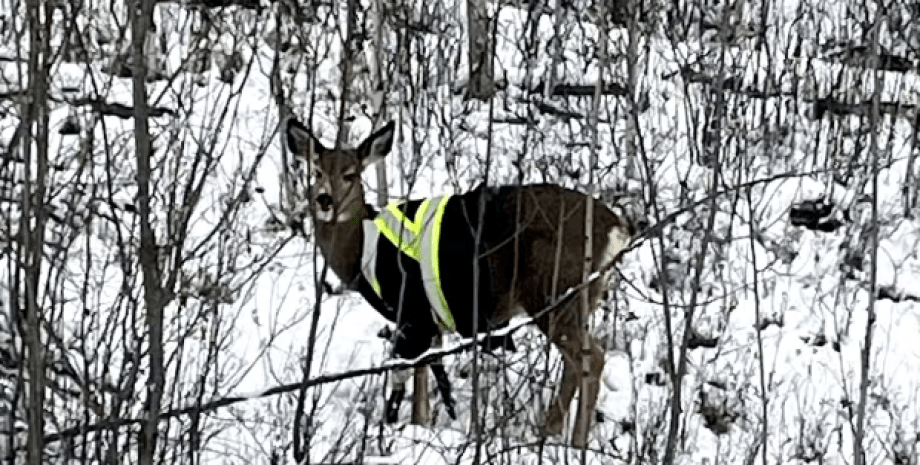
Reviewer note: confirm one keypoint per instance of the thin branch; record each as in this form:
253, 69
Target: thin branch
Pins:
866, 352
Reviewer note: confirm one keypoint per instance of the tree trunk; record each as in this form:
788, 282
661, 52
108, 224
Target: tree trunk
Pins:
554, 47
481, 83
421, 408
909, 190
859, 435
155, 297
32, 226
633, 73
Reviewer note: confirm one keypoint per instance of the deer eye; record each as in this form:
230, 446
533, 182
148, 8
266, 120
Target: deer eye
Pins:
350, 176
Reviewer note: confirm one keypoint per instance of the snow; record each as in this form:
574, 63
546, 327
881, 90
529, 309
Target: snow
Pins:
262, 329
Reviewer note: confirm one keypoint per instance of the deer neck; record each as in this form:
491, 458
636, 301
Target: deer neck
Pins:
341, 244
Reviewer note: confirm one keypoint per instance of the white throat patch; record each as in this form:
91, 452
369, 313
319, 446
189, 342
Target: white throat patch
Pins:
326, 217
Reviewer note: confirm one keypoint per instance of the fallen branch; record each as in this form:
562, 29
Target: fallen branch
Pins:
895, 295
246, 4
120, 110
577, 90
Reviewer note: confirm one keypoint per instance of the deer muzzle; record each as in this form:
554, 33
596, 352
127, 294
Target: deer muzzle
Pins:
324, 201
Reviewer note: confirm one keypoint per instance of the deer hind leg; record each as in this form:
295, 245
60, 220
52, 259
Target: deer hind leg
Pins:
559, 330
594, 365
559, 407
566, 334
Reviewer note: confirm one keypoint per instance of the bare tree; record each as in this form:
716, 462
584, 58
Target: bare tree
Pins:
154, 268
155, 296
33, 217
481, 85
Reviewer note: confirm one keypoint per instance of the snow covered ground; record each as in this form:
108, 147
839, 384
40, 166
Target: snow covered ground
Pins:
778, 306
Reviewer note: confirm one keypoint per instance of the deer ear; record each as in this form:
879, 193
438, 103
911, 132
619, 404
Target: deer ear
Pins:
377, 146
300, 141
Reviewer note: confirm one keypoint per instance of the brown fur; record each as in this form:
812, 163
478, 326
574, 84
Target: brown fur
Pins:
523, 262
529, 284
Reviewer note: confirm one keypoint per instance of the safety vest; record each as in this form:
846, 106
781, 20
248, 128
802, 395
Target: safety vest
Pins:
418, 238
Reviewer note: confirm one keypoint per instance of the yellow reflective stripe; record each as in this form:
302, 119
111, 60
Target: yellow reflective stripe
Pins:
436, 266
376, 286
393, 208
384, 229
409, 246
416, 226
420, 238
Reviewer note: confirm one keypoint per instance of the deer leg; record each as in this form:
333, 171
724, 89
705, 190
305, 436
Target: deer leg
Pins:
411, 344
566, 337
587, 401
398, 380
392, 405
442, 381
560, 330
559, 407
444, 389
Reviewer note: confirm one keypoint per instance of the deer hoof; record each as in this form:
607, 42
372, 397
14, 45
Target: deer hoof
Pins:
392, 415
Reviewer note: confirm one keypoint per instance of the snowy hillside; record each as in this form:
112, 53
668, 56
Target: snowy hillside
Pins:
760, 293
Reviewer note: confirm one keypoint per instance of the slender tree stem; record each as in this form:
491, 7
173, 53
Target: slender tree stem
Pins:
155, 297
859, 456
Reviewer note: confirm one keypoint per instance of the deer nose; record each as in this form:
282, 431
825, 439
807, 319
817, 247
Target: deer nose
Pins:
324, 201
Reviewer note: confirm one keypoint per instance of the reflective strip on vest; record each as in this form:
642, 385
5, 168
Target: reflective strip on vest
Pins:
419, 239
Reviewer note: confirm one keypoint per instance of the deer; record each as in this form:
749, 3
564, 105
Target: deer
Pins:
515, 247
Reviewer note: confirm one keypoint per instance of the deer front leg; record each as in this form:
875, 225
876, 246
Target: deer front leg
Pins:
398, 379
421, 410
410, 343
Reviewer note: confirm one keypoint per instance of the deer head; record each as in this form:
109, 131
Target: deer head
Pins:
336, 192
